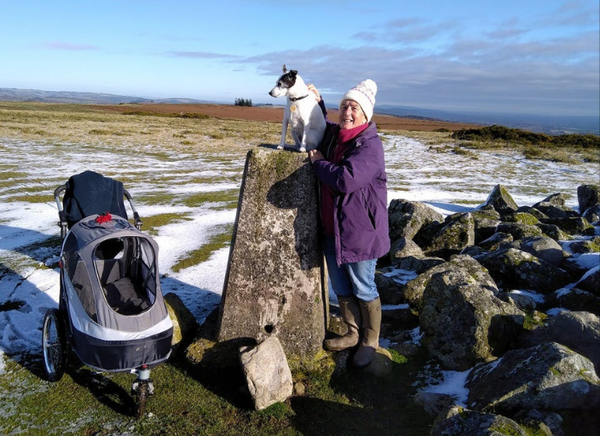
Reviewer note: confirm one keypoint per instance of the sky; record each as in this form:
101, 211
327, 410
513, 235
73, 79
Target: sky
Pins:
537, 57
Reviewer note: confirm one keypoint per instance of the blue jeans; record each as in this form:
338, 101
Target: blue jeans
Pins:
351, 279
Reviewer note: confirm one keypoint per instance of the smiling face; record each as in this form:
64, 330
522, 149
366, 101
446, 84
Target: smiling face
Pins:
351, 115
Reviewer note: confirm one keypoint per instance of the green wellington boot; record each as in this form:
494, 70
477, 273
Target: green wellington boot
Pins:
350, 311
371, 315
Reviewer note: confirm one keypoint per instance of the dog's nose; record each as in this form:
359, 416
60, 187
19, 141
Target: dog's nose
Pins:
271, 93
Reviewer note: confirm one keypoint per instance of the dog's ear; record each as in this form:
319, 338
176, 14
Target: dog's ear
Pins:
284, 69
294, 73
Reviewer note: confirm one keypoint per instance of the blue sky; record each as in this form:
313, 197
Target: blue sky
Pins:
525, 56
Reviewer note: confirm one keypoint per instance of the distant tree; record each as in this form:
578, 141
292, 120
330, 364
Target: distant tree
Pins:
243, 102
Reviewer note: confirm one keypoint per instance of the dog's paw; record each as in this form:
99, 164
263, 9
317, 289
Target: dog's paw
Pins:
302, 150
280, 147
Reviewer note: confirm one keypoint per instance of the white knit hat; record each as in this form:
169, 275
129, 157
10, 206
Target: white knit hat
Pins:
364, 95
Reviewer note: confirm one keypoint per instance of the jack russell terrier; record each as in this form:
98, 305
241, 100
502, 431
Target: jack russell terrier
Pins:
302, 112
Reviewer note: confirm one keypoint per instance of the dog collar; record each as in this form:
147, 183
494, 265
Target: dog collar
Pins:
298, 98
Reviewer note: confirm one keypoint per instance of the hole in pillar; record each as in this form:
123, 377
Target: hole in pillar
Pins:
269, 328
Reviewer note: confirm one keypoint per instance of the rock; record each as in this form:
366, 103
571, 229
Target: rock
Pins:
583, 246
486, 221
273, 280
501, 201
516, 269
462, 422
590, 282
588, 196
400, 317
547, 377
407, 217
457, 233
495, 241
418, 264
553, 231
404, 247
592, 214
522, 218
390, 291
414, 289
382, 363
572, 225
580, 331
267, 373
576, 300
184, 322
463, 322
523, 300
554, 206
532, 211
518, 230
434, 403
542, 247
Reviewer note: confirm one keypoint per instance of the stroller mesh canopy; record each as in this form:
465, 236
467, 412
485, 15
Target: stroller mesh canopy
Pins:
112, 268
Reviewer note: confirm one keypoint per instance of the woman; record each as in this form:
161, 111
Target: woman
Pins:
350, 167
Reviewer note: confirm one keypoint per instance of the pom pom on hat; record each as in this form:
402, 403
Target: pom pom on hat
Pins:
364, 95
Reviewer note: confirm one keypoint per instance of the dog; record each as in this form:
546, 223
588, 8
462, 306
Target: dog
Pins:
302, 112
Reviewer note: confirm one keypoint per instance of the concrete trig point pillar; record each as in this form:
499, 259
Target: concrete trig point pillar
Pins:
274, 280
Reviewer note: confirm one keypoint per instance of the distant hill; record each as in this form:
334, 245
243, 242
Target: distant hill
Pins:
535, 123
14, 94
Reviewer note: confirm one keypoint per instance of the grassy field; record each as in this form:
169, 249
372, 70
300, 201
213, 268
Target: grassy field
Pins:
209, 399
191, 399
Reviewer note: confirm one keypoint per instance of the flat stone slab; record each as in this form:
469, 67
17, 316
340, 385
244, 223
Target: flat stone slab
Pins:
274, 279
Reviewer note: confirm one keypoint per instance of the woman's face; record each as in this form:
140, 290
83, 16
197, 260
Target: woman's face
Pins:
351, 115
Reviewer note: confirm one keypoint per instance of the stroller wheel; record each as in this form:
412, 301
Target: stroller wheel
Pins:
54, 345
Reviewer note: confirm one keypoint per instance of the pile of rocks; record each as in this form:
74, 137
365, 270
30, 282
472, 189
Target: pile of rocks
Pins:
502, 291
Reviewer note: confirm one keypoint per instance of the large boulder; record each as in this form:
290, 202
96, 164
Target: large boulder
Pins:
457, 234
407, 217
463, 322
588, 196
501, 200
580, 331
592, 214
549, 377
390, 291
516, 269
486, 221
575, 300
590, 281
414, 289
542, 247
496, 241
404, 247
519, 230
572, 225
554, 206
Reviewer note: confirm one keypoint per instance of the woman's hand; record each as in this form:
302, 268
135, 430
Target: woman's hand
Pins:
312, 88
315, 155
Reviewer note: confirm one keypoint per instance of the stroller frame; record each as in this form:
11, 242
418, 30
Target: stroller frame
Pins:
72, 327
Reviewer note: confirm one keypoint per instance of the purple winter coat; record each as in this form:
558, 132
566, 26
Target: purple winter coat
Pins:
359, 185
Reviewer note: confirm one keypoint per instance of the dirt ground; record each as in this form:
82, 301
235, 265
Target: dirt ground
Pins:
275, 115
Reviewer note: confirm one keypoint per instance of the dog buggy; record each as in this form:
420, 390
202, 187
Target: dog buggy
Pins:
111, 311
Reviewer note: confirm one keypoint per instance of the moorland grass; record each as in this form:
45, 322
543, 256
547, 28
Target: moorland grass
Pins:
189, 399
217, 241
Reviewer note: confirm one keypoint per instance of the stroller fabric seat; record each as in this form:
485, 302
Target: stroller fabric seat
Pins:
124, 298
